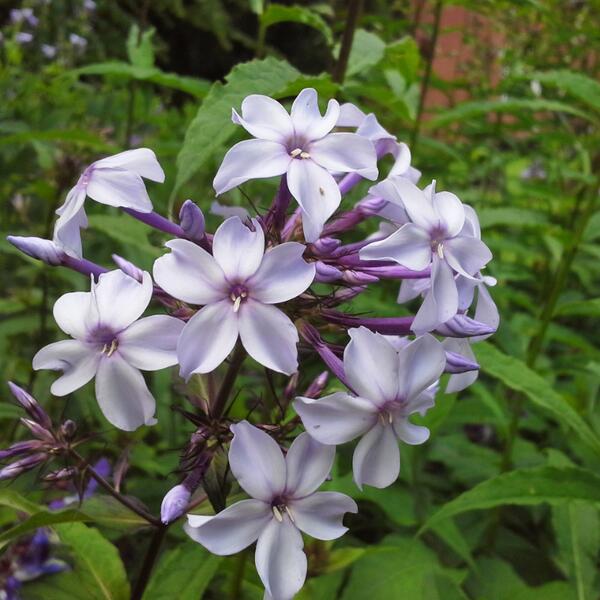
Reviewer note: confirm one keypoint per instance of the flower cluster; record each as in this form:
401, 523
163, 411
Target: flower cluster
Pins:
265, 286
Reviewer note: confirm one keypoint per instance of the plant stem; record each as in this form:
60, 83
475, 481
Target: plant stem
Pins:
149, 560
218, 408
238, 576
339, 69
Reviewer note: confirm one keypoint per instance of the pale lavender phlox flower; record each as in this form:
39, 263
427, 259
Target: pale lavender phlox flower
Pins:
301, 146
111, 343
238, 285
391, 384
284, 503
115, 181
438, 235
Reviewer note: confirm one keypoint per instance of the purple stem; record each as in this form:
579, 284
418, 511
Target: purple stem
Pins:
157, 222
276, 216
84, 266
348, 182
383, 325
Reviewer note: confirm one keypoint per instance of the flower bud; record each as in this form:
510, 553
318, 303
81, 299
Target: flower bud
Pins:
326, 245
371, 205
20, 466
174, 503
128, 268
30, 405
326, 273
61, 474
45, 250
290, 388
191, 219
19, 448
463, 326
68, 429
317, 386
358, 278
457, 363
38, 430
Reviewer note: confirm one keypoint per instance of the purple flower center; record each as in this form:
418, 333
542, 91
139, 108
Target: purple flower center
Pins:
279, 507
238, 294
104, 335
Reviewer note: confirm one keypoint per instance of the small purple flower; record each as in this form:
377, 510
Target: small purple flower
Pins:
238, 285
23, 37
391, 383
115, 181
301, 146
112, 344
48, 51
77, 41
284, 502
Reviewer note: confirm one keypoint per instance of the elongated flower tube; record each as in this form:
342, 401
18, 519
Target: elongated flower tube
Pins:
284, 502
111, 343
390, 384
300, 146
238, 285
115, 181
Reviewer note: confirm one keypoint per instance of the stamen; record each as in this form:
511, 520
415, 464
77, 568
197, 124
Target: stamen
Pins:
304, 155
440, 251
290, 515
236, 303
296, 152
112, 349
277, 514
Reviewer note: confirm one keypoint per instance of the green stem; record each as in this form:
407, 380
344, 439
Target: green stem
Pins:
339, 69
148, 564
238, 576
218, 408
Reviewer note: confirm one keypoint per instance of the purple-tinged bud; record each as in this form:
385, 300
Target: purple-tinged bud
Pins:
461, 326
174, 503
358, 278
191, 219
371, 205
40, 432
68, 430
19, 448
457, 363
45, 250
20, 466
61, 474
317, 386
348, 182
326, 273
326, 245
383, 325
30, 405
343, 295
290, 388
128, 268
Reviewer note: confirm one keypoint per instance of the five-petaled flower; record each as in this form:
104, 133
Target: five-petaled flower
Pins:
284, 503
390, 385
238, 285
112, 343
301, 146
115, 181
438, 235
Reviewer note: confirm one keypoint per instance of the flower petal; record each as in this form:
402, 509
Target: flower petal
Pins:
208, 337
233, 529
409, 246
460, 381
117, 187
345, 153
257, 462
250, 159
77, 360
76, 314
421, 363
466, 256
416, 203
121, 299
307, 119
320, 515
151, 343
282, 275
409, 433
264, 118
269, 336
308, 464
123, 395
376, 459
71, 220
190, 273
486, 310
237, 249
142, 161
371, 365
337, 418
280, 561
317, 193
450, 211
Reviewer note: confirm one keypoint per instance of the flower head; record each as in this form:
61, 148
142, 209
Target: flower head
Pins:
238, 285
284, 503
111, 343
300, 145
390, 384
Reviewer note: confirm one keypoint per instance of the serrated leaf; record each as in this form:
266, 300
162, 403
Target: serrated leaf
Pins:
516, 375
278, 13
189, 569
553, 485
212, 126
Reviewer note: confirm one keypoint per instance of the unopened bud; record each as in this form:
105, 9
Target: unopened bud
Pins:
30, 405
358, 278
61, 474
317, 386
174, 503
20, 466
326, 245
462, 326
290, 388
38, 430
68, 429
326, 273
128, 268
457, 363
371, 205
191, 219
45, 250
19, 448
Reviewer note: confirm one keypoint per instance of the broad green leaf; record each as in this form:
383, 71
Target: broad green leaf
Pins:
278, 13
453, 537
580, 308
480, 109
512, 216
579, 85
139, 47
553, 485
212, 126
517, 376
188, 569
15, 500
108, 511
403, 56
96, 562
367, 50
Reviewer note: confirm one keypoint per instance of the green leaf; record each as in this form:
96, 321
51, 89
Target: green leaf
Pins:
188, 568
367, 50
108, 511
97, 563
554, 485
212, 126
15, 500
139, 47
403, 56
516, 375
277, 13
580, 308
580, 86
481, 110
511, 215
72, 136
